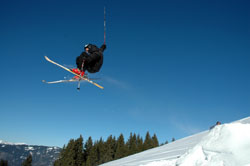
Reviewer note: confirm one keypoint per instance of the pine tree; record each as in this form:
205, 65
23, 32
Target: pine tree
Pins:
3, 163
109, 149
92, 158
139, 144
131, 144
60, 159
148, 143
100, 151
78, 148
155, 141
72, 154
173, 139
66, 156
28, 161
87, 149
120, 147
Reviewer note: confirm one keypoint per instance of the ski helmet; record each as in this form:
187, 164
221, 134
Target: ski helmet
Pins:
86, 46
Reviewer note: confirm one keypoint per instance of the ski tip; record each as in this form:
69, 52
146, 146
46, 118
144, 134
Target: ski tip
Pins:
99, 86
46, 58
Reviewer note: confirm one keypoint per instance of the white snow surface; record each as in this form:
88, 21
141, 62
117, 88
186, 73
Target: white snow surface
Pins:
29, 148
10, 143
224, 145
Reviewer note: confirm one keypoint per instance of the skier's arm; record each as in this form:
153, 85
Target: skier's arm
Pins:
103, 47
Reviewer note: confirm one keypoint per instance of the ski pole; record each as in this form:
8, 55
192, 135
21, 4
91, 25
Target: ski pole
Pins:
104, 25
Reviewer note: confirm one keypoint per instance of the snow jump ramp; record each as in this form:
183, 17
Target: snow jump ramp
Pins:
224, 145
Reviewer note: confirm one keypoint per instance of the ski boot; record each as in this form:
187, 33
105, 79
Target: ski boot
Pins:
79, 72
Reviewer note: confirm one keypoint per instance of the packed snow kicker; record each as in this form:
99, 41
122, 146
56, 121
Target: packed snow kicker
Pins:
224, 145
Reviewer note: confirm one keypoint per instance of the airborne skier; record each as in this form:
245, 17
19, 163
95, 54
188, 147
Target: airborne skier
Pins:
91, 60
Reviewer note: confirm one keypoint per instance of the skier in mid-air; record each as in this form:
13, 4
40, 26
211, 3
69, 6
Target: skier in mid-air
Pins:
91, 60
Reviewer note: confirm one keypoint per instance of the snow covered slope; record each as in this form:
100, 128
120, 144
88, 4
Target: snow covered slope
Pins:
224, 145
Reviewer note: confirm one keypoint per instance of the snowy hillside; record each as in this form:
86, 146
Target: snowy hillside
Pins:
224, 145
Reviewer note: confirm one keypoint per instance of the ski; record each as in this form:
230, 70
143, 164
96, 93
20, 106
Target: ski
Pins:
59, 81
67, 69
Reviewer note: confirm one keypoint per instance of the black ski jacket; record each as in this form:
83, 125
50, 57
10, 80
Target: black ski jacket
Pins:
92, 61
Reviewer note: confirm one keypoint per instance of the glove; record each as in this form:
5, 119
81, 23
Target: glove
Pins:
104, 47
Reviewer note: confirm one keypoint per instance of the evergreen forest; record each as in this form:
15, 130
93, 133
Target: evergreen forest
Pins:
89, 153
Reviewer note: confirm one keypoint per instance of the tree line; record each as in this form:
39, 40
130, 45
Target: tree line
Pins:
78, 153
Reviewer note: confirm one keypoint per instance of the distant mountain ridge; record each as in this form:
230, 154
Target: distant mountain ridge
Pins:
16, 153
9, 143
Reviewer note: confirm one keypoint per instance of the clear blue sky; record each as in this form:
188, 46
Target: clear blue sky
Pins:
172, 68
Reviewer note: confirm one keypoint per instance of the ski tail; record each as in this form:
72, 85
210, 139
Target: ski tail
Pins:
58, 81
